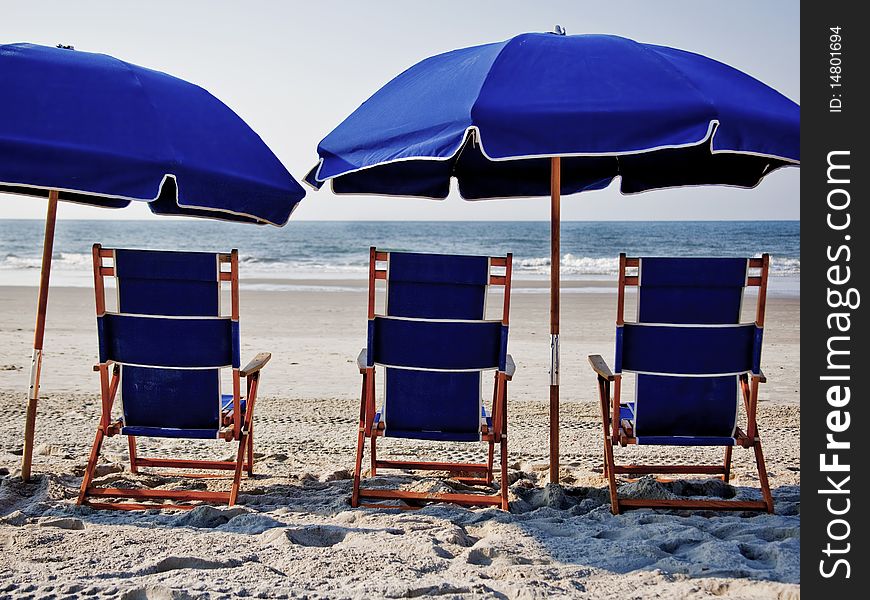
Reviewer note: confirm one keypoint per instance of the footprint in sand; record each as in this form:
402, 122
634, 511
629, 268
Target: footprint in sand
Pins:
317, 536
67, 523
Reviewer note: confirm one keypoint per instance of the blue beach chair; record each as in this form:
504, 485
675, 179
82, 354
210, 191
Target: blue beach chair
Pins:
694, 361
164, 349
434, 345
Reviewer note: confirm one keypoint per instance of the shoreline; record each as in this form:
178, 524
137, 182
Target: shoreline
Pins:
783, 286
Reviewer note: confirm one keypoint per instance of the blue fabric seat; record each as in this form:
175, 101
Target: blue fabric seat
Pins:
226, 405
485, 419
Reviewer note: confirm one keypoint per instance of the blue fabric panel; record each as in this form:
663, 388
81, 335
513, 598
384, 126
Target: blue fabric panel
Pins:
693, 272
756, 350
424, 120
447, 345
111, 132
168, 297
617, 362
484, 414
370, 345
686, 441
502, 359
428, 403
164, 342
687, 350
157, 282
691, 290
170, 398
227, 403
169, 432
437, 436
481, 178
626, 411
102, 340
439, 268
164, 264
234, 325
437, 286
681, 406
689, 305
426, 179
435, 301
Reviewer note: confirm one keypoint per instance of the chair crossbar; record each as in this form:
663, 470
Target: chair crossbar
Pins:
434, 466
632, 503
468, 499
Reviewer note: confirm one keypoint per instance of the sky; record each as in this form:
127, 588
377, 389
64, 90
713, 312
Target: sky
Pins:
294, 70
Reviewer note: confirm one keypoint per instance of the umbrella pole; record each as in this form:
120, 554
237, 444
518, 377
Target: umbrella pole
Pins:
555, 267
39, 334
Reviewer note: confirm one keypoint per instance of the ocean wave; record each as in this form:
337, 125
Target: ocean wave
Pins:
58, 259
570, 265
587, 265
271, 267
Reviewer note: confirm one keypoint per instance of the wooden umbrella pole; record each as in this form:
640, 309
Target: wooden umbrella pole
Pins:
555, 265
38, 336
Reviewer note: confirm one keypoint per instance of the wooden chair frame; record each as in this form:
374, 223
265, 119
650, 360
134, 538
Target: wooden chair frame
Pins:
469, 473
619, 431
234, 425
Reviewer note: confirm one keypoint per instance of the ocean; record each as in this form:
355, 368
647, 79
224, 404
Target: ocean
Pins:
272, 258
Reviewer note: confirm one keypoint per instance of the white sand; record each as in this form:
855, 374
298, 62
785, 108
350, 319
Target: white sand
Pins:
294, 534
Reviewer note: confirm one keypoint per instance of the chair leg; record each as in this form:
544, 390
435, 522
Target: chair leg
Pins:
374, 455
237, 474
92, 465
762, 477
360, 447
250, 461
504, 474
131, 444
726, 477
489, 461
609, 462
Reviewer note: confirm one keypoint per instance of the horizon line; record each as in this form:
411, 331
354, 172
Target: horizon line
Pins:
200, 219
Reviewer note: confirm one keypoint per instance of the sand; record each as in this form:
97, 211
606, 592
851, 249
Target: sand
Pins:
294, 533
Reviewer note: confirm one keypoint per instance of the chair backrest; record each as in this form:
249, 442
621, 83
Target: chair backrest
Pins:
688, 346
169, 336
434, 341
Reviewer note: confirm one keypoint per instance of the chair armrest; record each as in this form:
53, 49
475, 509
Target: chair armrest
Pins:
510, 367
257, 363
108, 363
362, 360
599, 365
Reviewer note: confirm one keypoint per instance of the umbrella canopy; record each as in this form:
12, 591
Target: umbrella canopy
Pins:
93, 129
543, 114
609, 106
105, 132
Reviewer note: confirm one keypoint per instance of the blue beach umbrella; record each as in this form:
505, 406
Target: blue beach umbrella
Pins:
549, 114
92, 129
